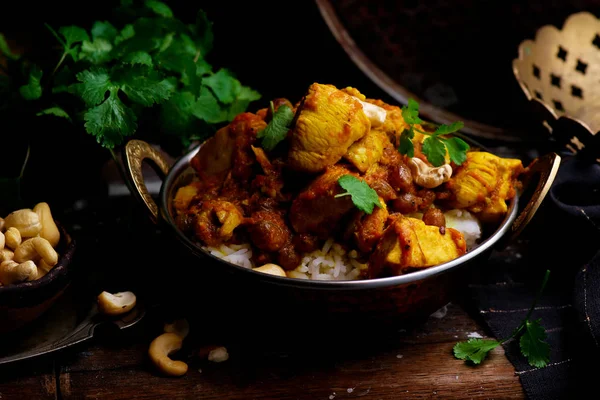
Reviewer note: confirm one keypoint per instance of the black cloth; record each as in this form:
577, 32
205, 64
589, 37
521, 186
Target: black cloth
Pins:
563, 237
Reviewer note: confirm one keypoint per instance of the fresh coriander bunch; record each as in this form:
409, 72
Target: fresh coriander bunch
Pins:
146, 66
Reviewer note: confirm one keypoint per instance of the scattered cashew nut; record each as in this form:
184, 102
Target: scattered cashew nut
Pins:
2, 224
2, 241
271, 269
159, 352
25, 220
180, 327
13, 272
427, 176
116, 304
13, 238
49, 229
219, 354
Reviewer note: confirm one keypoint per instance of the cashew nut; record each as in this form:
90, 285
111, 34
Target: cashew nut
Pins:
25, 220
374, 113
12, 272
2, 240
179, 327
159, 352
35, 249
271, 269
42, 266
49, 230
6, 254
115, 304
219, 354
2, 224
13, 238
427, 176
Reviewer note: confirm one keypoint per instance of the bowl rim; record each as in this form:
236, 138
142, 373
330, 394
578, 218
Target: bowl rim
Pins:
61, 268
183, 164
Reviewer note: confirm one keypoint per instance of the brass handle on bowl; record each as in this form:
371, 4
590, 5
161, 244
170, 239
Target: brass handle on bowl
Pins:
544, 169
136, 151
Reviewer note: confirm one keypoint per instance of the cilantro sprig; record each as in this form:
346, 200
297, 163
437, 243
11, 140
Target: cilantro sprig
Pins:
277, 129
435, 145
532, 340
363, 196
149, 68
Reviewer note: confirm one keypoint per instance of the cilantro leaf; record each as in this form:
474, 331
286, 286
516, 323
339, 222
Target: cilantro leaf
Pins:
410, 113
159, 8
224, 85
127, 32
5, 49
104, 30
277, 129
363, 196
204, 34
474, 350
435, 150
56, 111
177, 114
457, 149
434, 146
33, 89
73, 34
96, 51
533, 344
406, 144
143, 85
138, 57
111, 121
207, 107
447, 129
95, 82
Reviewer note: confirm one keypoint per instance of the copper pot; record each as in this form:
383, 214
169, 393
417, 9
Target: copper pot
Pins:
398, 298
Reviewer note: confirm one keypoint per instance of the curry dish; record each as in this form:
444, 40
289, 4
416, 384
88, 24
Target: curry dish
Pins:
284, 203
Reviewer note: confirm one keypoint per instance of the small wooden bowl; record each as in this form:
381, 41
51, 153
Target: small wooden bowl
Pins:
24, 302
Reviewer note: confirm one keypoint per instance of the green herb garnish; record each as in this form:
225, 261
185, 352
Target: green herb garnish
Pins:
435, 145
148, 68
278, 127
363, 197
532, 340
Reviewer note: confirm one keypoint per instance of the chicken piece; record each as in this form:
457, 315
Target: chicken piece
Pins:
268, 230
244, 128
316, 210
366, 229
215, 221
328, 122
215, 157
483, 183
367, 151
408, 243
184, 196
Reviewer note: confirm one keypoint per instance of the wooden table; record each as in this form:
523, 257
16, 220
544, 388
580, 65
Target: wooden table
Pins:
412, 363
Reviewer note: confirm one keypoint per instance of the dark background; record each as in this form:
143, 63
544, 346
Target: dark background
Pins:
281, 48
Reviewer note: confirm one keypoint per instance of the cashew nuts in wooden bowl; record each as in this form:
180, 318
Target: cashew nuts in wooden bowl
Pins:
35, 257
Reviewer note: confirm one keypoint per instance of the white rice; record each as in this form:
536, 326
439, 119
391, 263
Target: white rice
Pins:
333, 263
466, 223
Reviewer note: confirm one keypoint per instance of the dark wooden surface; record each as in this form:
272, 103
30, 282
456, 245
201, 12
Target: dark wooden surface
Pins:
413, 363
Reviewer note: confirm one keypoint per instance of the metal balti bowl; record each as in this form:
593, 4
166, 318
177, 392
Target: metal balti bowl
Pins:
398, 298
22, 303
